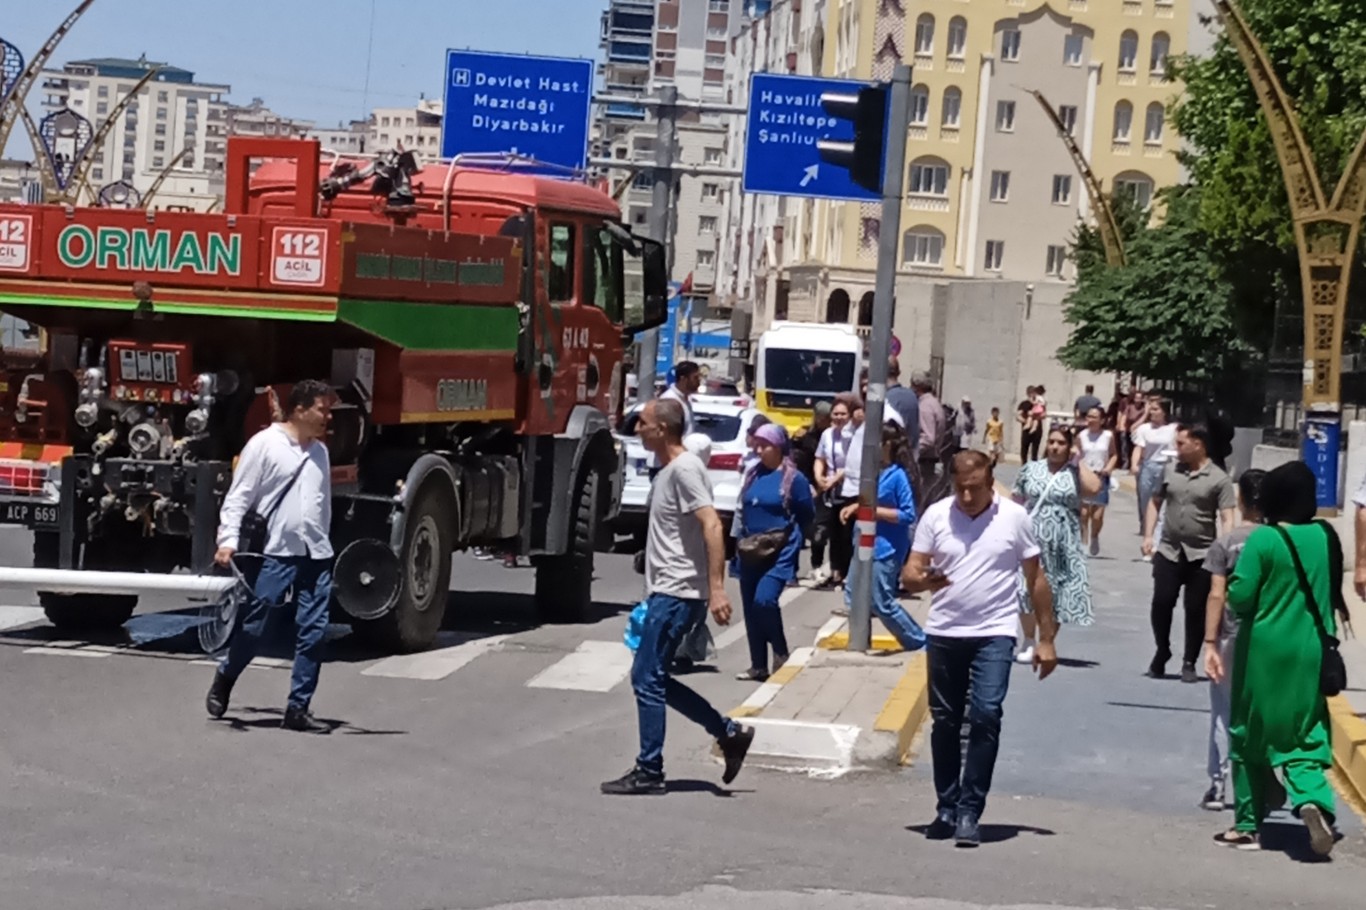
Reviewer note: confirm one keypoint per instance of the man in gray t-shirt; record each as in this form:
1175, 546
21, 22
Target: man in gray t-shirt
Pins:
684, 574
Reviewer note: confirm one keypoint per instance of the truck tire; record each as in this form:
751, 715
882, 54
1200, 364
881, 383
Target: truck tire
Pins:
564, 584
413, 623
78, 612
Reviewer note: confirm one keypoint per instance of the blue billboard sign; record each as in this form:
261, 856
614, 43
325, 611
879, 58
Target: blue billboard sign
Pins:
537, 107
1321, 449
668, 332
785, 122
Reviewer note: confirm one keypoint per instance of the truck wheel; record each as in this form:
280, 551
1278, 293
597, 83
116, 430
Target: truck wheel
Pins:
415, 620
564, 584
78, 612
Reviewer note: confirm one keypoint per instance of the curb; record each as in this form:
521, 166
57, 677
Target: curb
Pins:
1349, 751
907, 707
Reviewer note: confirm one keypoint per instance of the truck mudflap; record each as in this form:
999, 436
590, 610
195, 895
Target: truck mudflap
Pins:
77, 581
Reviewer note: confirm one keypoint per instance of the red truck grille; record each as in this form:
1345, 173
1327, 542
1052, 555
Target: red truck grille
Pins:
22, 478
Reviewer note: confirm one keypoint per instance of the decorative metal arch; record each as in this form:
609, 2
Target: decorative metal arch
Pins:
1110, 236
1326, 233
13, 101
119, 195
11, 67
161, 178
66, 136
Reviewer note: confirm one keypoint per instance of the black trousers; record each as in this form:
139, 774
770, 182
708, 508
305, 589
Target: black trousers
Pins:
841, 538
820, 531
1170, 577
1029, 446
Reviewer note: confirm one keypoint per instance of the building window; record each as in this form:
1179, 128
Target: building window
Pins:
1010, 45
711, 190
97, 173
958, 38
159, 145
920, 105
1138, 188
1153, 127
924, 35
1005, 116
1062, 189
102, 91
384, 121
1162, 45
1128, 51
870, 231
711, 156
706, 259
996, 254
158, 161
160, 129
161, 113
706, 224
1072, 45
953, 108
1067, 113
163, 97
929, 178
923, 246
1057, 258
1000, 186
102, 107
1124, 121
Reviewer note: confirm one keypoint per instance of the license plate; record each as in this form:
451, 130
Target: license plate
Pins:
29, 514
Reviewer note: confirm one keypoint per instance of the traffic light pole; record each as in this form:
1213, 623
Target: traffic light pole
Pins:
889, 236
661, 223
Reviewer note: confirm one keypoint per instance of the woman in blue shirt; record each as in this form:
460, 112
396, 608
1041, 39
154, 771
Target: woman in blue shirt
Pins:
775, 496
895, 516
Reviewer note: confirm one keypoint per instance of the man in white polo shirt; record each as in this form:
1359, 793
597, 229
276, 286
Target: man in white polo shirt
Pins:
969, 551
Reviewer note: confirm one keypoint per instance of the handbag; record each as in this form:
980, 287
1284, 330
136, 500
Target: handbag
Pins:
255, 528
762, 548
1333, 671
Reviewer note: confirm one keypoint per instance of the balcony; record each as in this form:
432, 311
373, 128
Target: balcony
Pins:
625, 112
628, 52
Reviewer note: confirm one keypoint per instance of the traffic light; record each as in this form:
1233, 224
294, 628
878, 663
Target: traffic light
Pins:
863, 157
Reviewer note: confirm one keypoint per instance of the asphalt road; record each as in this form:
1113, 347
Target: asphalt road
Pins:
469, 779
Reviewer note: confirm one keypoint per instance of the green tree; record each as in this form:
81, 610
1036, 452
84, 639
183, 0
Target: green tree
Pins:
1168, 314
1318, 50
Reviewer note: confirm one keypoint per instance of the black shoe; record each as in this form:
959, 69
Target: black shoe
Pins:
636, 782
1188, 674
301, 720
943, 826
1158, 668
1213, 800
734, 748
216, 702
967, 834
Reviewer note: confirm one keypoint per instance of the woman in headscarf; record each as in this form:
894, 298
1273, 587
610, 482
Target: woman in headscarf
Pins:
775, 507
1286, 587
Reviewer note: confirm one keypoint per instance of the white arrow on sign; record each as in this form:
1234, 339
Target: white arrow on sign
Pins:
811, 174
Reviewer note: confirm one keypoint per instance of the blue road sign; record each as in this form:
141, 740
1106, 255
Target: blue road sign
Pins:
533, 106
668, 332
785, 121
1321, 447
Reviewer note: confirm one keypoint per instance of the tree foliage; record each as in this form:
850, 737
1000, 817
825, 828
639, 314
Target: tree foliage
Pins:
1167, 315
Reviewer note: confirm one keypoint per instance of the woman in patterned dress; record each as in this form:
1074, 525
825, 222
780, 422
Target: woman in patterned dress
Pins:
1052, 489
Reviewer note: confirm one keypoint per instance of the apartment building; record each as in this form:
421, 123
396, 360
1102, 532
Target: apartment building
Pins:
256, 119
173, 116
345, 138
417, 129
991, 192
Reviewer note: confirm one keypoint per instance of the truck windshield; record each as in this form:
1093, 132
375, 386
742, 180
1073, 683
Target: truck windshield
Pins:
820, 372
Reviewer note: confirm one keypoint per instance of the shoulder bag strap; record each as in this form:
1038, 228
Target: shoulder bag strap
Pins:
1310, 602
279, 500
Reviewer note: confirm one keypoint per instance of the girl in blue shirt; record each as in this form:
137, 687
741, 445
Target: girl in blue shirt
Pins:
895, 516
774, 496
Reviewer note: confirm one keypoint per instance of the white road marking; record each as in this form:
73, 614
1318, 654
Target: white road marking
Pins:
269, 663
433, 665
66, 651
595, 666
733, 633
15, 617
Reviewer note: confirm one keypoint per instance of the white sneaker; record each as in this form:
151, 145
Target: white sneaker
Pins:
1095, 546
1026, 654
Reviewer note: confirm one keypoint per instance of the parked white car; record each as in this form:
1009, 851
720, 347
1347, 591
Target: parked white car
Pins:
724, 419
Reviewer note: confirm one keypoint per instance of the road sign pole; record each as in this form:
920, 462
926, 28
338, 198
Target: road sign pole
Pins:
661, 223
889, 235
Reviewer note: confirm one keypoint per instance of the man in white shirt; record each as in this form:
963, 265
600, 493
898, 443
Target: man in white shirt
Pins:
687, 383
284, 476
969, 551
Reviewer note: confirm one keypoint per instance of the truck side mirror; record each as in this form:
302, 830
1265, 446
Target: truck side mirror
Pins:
656, 281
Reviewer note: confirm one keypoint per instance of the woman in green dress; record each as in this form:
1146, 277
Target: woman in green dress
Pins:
1052, 489
1279, 720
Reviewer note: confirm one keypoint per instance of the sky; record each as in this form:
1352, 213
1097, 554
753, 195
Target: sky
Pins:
306, 58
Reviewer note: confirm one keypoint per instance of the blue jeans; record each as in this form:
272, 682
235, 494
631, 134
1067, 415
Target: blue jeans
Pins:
666, 622
886, 602
311, 580
760, 593
967, 675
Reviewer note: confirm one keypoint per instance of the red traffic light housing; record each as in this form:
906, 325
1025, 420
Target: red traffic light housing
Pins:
862, 157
